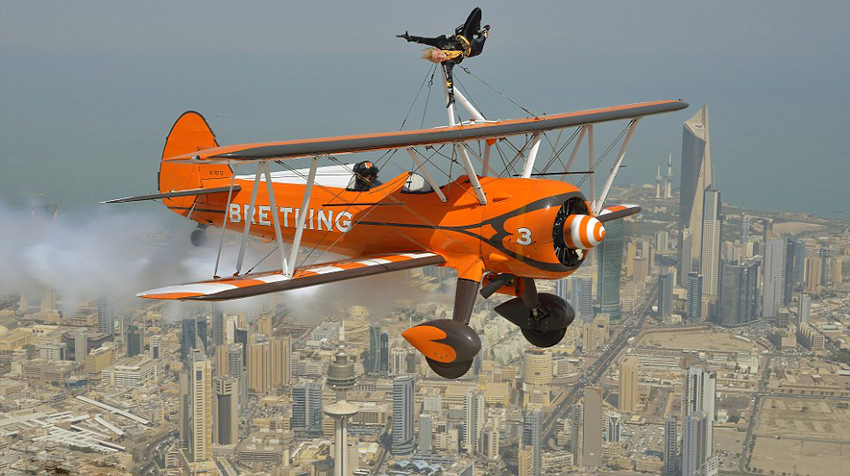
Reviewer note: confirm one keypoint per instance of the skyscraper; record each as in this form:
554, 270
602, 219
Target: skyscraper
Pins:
156, 346
739, 293
794, 261
225, 410
426, 432
694, 445
217, 325
105, 316
306, 409
710, 255
695, 179
629, 393
592, 428
201, 384
610, 266
668, 179
698, 402
665, 295
576, 431
694, 296
385, 354
473, 420
135, 341
236, 369
532, 428
372, 363
614, 421
774, 277
581, 296
804, 309
194, 335
745, 228
403, 394
269, 363
670, 449
686, 264
184, 408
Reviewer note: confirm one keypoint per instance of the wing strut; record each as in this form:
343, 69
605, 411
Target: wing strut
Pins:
426, 174
599, 202
249, 217
575, 151
532, 155
275, 219
460, 147
302, 217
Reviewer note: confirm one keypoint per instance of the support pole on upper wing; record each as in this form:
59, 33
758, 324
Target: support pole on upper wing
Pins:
468, 106
302, 216
249, 217
596, 207
532, 156
275, 218
575, 151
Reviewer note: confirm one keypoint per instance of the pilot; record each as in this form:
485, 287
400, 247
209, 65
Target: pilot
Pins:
467, 41
366, 174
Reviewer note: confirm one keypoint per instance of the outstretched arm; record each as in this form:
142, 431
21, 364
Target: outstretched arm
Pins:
435, 42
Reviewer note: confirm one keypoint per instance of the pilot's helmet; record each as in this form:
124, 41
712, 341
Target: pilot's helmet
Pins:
366, 170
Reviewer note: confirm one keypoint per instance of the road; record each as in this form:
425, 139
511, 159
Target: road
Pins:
595, 372
151, 449
745, 452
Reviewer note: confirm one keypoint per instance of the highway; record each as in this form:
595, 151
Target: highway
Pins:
745, 451
595, 372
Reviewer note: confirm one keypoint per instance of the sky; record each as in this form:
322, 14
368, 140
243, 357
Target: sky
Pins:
89, 90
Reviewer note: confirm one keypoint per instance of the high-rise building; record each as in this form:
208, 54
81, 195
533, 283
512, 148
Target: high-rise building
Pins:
614, 421
665, 295
662, 239
217, 325
698, 404
426, 432
532, 438
658, 183
576, 432
804, 309
827, 255
629, 393
686, 264
739, 293
135, 341
581, 296
694, 295
191, 337
372, 363
226, 410
745, 228
795, 261
403, 395
235, 368
269, 363
184, 407
490, 444
695, 179
668, 179
473, 420
774, 277
814, 274
156, 346
306, 409
105, 316
385, 355
670, 449
694, 446
610, 266
710, 254
201, 384
592, 428
562, 288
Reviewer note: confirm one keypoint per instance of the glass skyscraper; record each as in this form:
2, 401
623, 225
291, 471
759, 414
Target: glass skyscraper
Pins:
610, 265
403, 395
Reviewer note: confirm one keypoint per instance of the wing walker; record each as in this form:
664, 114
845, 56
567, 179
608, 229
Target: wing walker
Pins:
500, 231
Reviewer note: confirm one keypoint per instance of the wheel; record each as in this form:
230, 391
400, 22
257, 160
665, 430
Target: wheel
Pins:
452, 370
198, 237
544, 338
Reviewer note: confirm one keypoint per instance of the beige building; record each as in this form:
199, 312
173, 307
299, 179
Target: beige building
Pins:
269, 363
629, 393
201, 384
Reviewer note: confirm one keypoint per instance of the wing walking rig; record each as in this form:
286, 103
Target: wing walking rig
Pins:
500, 233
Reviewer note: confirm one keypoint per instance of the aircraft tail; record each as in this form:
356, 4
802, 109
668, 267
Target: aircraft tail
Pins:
190, 133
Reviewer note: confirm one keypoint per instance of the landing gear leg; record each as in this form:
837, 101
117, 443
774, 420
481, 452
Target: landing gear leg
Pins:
199, 236
543, 318
449, 345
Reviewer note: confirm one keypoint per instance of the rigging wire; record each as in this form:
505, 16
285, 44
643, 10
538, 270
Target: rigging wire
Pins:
485, 83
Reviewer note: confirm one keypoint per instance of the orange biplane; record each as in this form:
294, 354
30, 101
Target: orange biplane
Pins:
499, 232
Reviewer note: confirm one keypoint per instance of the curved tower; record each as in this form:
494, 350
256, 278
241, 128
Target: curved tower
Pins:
695, 179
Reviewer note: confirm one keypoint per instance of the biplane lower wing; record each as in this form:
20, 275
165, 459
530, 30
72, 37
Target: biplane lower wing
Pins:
273, 281
180, 193
617, 211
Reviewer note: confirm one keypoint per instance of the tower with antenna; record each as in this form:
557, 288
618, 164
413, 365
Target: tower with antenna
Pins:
658, 183
668, 179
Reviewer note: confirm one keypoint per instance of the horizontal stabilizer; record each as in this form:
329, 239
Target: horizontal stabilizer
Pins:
617, 211
273, 281
178, 193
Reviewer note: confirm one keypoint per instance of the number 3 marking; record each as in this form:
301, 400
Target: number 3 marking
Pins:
524, 236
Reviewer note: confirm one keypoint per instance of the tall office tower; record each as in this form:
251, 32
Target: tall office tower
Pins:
662, 241
767, 229
698, 400
658, 180
184, 409
739, 293
686, 263
610, 266
306, 409
236, 369
629, 393
403, 395
592, 428
48, 299
135, 341
799, 276
156, 346
695, 449
665, 295
581, 296
269, 363
695, 179
576, 431
709, 266
225, 410
694, 296
532, 437
804, 309
490, 444
426, 431
774, 277
217, 325
668, 179
614, 420
791, 266
562, 288
525, 457
745, 228
105, 316
372, 363
201, 384
81, 346
827, 255
537, 367
385, 355
231, 322
189, 337
670, 449
473, 420
283, 360
814, 274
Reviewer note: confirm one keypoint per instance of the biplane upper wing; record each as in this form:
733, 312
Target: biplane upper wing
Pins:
272, 281
392, 140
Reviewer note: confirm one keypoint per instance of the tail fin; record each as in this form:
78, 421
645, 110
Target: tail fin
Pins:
189, 134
